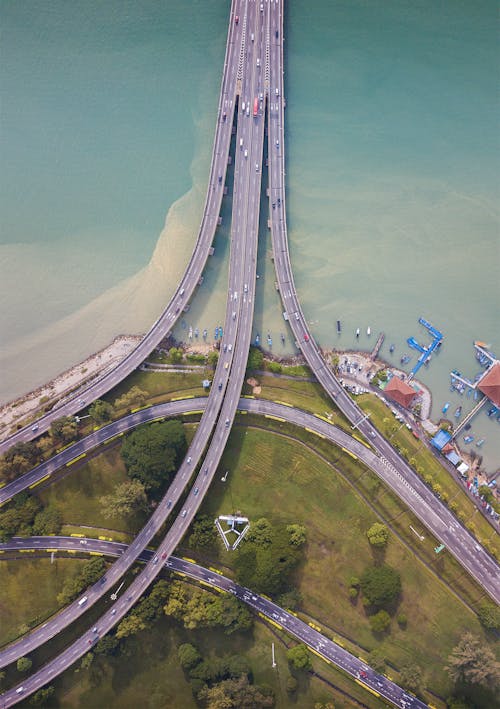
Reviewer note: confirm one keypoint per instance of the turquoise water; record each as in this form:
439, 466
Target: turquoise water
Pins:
392, 173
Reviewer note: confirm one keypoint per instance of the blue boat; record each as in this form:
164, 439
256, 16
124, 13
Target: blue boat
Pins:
458, 412
405, 359
468, 439
446, 407
269, 339
391, 349
205, 333
220, 332
257, 339
196, 332
216, 333
480, 443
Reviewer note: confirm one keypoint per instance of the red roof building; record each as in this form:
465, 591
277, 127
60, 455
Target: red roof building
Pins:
490, 384
400, 392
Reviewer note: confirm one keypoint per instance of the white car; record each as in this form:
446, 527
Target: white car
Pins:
245, 153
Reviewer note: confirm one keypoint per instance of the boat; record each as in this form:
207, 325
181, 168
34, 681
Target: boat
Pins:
357, 332
483, 345
205, 333
282, 339
196, 332
190, 334
468, 439
446, 407
469, 392
269, 339
391, 349
220, 331
368, 331
405, 359
216, 333
339, 327
257, 340
480, 442
458, 412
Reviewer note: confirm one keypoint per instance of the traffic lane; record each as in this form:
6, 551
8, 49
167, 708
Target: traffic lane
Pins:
105, 382
325, 647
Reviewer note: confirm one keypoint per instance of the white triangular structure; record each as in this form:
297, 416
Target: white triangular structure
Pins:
232, 522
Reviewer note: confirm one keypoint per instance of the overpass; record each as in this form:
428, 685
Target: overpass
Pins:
318, 643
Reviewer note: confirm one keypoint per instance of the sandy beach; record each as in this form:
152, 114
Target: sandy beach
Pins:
28, 406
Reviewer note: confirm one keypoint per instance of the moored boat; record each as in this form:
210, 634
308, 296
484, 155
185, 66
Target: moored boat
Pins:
446, 407
368, 331
458, 412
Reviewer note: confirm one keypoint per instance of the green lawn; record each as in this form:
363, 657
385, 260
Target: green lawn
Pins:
77, 494
28, 591
279, 479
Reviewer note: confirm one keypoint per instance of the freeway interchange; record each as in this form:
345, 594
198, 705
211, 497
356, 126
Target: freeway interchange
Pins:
253, 72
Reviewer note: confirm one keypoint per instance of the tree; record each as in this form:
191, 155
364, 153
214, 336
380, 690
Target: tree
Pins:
380, 621
299, 657
378, 535
377, 660
188, 656
128, 498
24, 664
130, 625
40, 698
473, 663
101, 411
291, 684
18, 517
91, 572
213, 358
261, 533
20, 458
48, 521
64, 429
203, 534
108, 645
236, 694
297, 534
133, 397
87, 661
153, 452
175, 355
255, 358
411, 677
489, 615
380, 584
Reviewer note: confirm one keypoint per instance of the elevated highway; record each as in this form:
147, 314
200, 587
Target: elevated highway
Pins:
443, 524
327, 649
184, 291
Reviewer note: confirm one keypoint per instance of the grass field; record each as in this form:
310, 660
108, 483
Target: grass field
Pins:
28, 592
77, 494
284, 483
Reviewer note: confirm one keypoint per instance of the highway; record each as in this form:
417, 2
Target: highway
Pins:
437, 516
184, 291
319, 644
413, 494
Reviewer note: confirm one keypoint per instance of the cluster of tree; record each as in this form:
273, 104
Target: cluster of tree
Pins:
299, 657
42, 696
196, 608
90, 573
223, 682
473, 663
133, 397
381, 585
269, 555
255, 358
145, 613
203, 533
487, 494
128, 498
18, 460
489, 615
64, 430
24, 516
378, 535
101, 411
153, 452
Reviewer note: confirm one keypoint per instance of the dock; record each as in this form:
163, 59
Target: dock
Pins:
378, 345
425, 352
469, 416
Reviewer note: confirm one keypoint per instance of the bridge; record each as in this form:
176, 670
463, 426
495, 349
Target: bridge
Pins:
244, 79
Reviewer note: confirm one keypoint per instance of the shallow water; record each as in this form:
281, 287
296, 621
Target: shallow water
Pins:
392, 178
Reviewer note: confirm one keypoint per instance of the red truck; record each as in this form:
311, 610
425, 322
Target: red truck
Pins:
255, 106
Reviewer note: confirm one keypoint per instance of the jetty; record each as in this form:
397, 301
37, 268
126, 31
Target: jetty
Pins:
378, 345
425, 352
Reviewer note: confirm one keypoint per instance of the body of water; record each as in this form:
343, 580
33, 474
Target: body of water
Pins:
108, 115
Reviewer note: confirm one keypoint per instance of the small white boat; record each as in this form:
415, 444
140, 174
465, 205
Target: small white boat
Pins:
357, 332
368, 331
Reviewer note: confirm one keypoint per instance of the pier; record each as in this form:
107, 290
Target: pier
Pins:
469, 416
425, 352
378, 345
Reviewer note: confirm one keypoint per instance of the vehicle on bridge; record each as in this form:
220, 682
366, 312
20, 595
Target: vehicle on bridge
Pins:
256, 106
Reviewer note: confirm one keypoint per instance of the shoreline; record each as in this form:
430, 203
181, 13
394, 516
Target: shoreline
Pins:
26, 406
